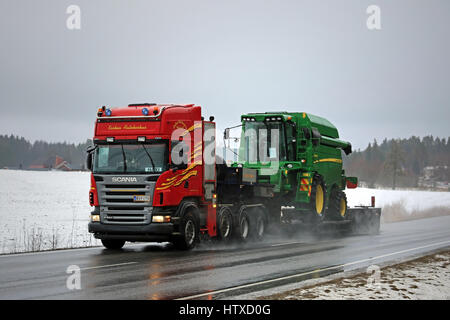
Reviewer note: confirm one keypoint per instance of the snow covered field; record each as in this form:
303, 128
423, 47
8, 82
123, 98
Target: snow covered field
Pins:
48, 210
44, 210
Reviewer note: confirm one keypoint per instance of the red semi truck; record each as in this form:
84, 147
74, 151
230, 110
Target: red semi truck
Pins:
155, 178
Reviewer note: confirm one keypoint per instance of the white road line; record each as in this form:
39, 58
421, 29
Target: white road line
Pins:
285, 244
109, 265
309, 272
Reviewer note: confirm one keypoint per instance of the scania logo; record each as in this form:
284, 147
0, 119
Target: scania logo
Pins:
124, 179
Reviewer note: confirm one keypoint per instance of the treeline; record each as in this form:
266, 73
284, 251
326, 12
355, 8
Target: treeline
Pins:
400, 162
17, 152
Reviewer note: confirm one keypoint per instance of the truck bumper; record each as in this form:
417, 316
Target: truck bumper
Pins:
157, 232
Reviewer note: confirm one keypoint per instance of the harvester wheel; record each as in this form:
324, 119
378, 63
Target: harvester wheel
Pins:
317, 199
337, 207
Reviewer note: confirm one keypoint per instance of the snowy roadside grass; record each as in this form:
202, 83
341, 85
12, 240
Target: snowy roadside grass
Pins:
420, 279
44, 210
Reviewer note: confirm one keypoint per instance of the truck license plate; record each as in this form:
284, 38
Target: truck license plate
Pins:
141, 198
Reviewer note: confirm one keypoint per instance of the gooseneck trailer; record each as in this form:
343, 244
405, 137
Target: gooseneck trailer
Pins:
155, 177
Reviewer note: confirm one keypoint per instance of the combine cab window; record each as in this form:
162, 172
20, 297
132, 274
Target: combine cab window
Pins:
131, 158
262, 142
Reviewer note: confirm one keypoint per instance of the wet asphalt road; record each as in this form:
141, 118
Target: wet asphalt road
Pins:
212, 270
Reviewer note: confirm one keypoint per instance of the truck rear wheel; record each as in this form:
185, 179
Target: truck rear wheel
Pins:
224, 224
113, 244
243, 228
257, 224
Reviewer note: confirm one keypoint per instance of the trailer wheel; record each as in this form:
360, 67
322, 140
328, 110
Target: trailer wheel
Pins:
224, 224
337, 207
317, 199
113, 244
189, 232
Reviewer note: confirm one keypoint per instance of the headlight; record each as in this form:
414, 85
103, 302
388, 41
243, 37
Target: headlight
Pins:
160, 219
95, 217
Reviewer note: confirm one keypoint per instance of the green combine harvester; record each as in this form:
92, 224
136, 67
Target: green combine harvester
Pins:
290, 164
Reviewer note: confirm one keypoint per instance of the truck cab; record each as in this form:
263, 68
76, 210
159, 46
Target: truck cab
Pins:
149, 181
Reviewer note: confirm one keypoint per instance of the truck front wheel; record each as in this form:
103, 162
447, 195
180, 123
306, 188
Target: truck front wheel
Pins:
113, 244
189, 232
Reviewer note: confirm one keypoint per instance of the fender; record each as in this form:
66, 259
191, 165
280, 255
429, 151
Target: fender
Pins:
184, 206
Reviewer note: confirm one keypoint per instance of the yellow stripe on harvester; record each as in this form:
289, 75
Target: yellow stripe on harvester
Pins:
329, 160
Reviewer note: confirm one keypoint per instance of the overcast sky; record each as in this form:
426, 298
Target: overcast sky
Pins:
230, 57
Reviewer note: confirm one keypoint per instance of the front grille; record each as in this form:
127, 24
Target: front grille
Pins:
124, 193
117, 201
125, 186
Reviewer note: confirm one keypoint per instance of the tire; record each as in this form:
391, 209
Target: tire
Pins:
257, 224
224, 224
113, 244
189, 232
243, 227
337, 206
317, 199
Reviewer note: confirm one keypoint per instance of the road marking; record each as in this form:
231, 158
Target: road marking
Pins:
285, 244
309, 272
109, 265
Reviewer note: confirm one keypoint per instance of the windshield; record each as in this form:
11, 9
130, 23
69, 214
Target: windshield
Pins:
262, 142
131, 158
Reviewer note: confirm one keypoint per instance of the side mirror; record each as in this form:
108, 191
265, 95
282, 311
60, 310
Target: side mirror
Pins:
90, 156
89, 161
226, 133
